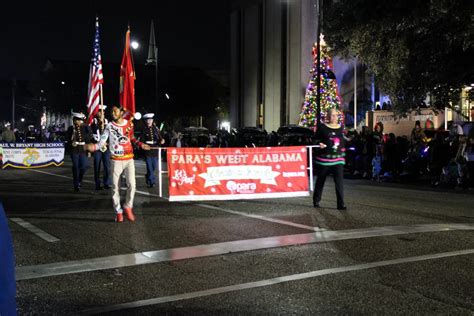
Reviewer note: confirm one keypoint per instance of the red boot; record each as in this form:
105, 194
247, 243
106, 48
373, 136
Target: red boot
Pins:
119, 217
129, 213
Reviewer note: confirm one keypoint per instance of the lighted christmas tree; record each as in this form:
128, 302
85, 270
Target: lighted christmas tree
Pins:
329, 91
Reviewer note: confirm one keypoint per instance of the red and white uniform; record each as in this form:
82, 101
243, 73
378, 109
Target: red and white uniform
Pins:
120, 138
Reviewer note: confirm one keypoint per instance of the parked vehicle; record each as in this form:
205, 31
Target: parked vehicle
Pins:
195, 137
249, 137
295, 135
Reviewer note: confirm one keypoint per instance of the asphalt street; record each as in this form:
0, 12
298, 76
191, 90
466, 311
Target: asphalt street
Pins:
396, 251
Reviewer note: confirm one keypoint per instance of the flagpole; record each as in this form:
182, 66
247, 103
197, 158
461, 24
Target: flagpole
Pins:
95, 79
101, 101
101, 107
131, 56
133, 70
128, 76
156, 90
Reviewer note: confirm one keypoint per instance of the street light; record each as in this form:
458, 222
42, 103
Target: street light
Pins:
22, 119
226, 126
167, 96
135, 45
63, 83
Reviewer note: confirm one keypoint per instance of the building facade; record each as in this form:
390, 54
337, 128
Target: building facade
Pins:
271, 44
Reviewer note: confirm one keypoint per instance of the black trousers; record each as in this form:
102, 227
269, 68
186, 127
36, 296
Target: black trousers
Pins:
470, 170
79, 167
322, 173
104, 159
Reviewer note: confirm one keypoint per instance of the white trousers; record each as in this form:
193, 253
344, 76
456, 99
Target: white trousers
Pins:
128, 168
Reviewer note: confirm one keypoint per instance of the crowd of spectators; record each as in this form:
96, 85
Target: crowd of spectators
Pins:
31, 134
443, 157
446, 158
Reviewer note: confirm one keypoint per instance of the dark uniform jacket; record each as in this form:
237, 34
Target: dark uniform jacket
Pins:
77, 137
30, 137
152, 137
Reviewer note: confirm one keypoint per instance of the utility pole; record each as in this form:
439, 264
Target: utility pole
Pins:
355, 93
13, 103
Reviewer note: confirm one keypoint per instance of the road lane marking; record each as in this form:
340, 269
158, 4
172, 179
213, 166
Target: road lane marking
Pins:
273, 281
35, 230
146, 193
207, 250
208, 206
51, 174
264, 218
88, 181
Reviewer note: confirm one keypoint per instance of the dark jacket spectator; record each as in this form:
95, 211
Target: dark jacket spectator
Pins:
8, 136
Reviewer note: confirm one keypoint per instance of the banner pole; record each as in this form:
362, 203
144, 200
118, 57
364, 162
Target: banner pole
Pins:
310, 162
160, 168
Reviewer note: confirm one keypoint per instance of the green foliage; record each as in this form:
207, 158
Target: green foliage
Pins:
414, 47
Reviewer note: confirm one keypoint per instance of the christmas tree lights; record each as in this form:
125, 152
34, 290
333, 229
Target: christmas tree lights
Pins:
329, 90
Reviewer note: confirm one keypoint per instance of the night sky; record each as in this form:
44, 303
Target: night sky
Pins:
188, 33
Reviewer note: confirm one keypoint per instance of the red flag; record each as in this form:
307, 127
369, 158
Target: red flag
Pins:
127, 80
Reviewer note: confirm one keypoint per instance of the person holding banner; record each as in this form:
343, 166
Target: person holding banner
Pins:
101, 156
77, 136
330, 158
151, 136
120, 135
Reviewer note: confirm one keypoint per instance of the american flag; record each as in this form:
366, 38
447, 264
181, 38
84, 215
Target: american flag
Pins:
96, 78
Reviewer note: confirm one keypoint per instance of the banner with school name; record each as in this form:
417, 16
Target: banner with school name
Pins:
31, 155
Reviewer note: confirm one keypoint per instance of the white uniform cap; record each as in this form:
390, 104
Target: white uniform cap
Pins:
102, 107
148, 116
79, 116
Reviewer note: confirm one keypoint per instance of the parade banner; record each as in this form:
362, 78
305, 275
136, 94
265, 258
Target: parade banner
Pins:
198, 174
32, 155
